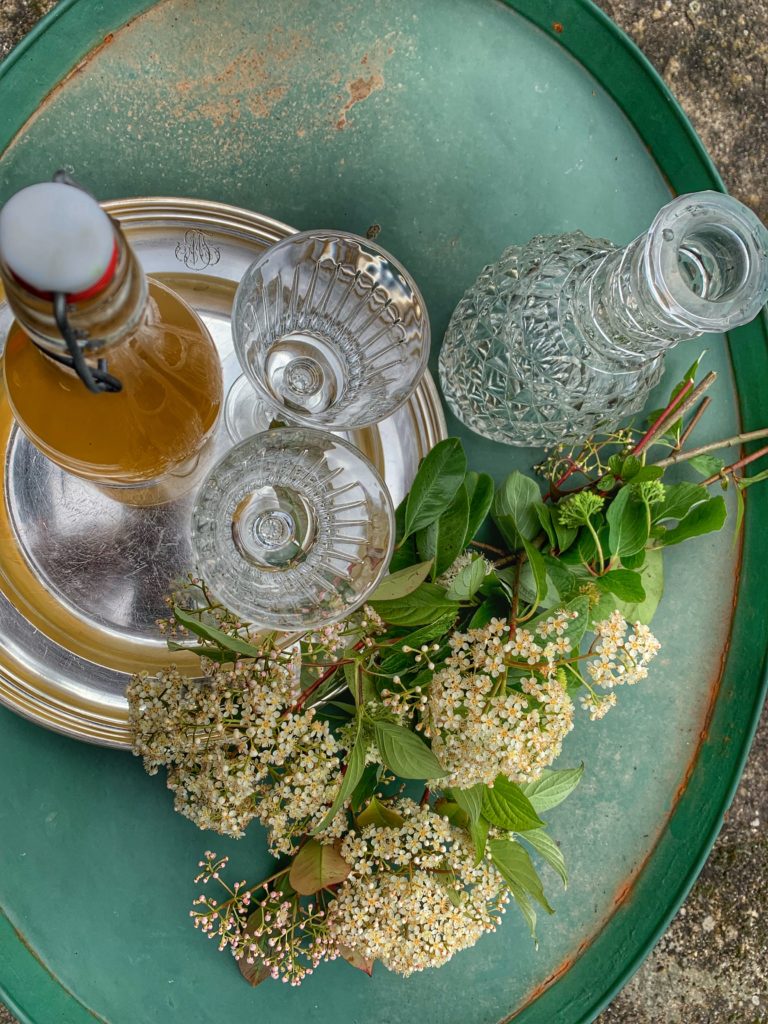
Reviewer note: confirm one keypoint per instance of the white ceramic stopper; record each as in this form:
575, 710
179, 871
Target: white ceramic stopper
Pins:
56, 237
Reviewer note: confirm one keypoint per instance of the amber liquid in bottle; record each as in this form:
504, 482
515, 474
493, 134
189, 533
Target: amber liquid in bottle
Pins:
143, 444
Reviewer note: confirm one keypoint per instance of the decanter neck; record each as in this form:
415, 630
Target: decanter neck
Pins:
702, 267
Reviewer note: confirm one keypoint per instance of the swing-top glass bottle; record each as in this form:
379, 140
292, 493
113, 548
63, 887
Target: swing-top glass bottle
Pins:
111, 376
565, 336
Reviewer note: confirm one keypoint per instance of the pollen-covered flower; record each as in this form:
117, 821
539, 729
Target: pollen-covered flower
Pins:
482, 722
620, 658
414, 896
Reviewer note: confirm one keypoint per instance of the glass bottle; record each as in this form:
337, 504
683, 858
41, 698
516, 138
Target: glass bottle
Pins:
111, 376
566, 335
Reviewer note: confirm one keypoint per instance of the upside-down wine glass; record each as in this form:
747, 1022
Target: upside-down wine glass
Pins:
331, 332
293, 529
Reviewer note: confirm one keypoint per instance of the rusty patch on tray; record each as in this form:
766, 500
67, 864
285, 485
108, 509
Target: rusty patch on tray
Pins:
359, 91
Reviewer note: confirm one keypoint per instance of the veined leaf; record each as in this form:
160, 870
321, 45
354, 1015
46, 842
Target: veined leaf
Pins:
442, 540
625, 584
439, 477
627, 522
515, 866
480, 494
468, 581
405, 753
315, 866
470, 800
552, 787
398, 661
652, 580
479, 833
353, 774
514, 509
419, 608
538, 569
378, 814
506, 805
549, 851
216, 636
403, 582
704, 518
706, 465
679, 499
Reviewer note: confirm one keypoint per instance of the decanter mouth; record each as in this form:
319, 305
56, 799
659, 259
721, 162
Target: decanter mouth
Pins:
706, 261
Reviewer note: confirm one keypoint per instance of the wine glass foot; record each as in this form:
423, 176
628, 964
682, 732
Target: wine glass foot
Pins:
244, 412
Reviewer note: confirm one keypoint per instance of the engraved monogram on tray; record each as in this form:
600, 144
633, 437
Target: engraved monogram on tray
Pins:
195, 251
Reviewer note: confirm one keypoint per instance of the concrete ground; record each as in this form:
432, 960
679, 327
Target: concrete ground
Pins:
711, 967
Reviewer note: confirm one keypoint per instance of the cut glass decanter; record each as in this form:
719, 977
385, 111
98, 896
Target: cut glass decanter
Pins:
566, 335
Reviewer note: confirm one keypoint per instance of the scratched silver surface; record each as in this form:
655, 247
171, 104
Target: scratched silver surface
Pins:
108, 566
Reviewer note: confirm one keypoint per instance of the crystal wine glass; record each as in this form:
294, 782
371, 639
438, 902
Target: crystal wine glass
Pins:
293, 529
331, 332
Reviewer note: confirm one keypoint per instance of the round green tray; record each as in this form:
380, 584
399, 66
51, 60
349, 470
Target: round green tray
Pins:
458, 127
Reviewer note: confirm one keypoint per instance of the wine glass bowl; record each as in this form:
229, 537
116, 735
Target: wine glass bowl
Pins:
292, 529
330, 330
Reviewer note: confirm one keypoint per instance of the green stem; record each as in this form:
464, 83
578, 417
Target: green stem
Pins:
598, 545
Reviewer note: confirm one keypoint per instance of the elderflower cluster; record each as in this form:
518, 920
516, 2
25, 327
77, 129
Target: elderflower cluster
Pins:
482, 725
619, 659
463, 560
414, 896
234, 747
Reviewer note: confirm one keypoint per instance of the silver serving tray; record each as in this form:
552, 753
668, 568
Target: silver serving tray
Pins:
83, 578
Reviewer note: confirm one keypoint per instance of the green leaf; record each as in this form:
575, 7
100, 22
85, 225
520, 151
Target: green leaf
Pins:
468, 582
480, 494
547, 519
378, 814
202, 651
316, 866
216, 636
679, 499
549, 851
706, 465
397, 661
564, 580
423, 606
704, 518
443, 540
406, 754
439, 477
739, 512
624, 583
747, 481
539, 570
515, 866
628, 524
479, 834
647, 473
399, 584
451, 810
506, 805
494, 607
635, 561
514, 509
470, 800
552, 787
366, 787
353, 774
652, 579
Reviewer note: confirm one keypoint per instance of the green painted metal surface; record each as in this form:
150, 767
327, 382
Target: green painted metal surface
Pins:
458, 128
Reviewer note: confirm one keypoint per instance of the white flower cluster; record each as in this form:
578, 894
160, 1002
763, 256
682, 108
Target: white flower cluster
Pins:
480, 725
619, 659
414, 896
235, 749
